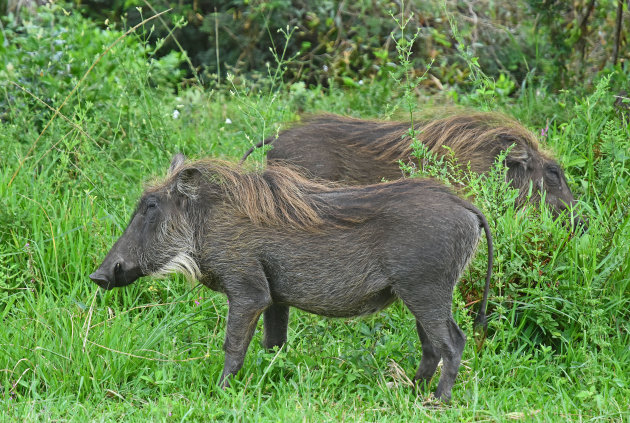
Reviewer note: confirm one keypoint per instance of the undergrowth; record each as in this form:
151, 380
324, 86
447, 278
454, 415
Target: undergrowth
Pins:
559, 324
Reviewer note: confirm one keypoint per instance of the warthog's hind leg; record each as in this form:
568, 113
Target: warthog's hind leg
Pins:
449, 339
429, 361
438, 332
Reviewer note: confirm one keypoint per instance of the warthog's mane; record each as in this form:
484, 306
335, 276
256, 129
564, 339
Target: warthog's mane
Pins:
278, 195
472, 134
281, 196
476, 138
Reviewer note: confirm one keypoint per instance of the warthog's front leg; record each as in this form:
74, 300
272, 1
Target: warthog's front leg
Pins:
243, 313
240, 328
275, 323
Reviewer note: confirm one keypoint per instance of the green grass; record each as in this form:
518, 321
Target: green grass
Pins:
559, 323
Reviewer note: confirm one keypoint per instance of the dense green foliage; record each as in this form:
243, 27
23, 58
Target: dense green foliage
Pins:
557, 41
559, 323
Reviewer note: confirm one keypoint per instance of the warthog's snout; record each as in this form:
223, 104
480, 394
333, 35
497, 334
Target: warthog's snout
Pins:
115, 274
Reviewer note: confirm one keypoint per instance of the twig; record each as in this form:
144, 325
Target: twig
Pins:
586, 15
5, 42
170, 34
475, 19
98, 59
618, 31
163, 360
89, 321
216, 44
581, 41
14, 385
54, 146
77, 127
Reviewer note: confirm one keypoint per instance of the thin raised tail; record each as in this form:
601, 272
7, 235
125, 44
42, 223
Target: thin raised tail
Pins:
481, 321
252, 148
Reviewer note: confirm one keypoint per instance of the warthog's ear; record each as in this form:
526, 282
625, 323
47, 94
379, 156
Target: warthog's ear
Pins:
518, 156
178, 160
188, 181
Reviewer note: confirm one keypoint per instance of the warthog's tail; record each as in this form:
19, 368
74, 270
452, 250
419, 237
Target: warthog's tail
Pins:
481, 321
252, 148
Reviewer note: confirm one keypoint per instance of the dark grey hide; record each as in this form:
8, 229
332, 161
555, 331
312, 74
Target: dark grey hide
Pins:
408, 240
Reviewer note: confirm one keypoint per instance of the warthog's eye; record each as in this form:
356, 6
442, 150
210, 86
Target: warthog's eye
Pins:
151, 208
552, 175
151, 205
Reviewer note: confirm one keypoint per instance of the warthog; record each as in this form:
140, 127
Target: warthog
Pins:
272, 239
358, 152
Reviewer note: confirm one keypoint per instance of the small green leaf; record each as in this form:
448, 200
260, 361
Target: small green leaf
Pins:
349, 82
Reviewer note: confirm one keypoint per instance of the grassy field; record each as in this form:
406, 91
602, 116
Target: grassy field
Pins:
558, 346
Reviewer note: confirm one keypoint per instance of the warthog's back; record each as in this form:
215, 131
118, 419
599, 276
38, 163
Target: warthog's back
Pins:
333, 156
358, 151
410, 232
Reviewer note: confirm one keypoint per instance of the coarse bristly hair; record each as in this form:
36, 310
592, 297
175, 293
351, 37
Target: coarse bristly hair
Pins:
275, 196
174, 235
476, 138
471, 134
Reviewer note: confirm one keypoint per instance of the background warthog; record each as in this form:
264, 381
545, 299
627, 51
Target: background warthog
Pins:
272, 239
358, 152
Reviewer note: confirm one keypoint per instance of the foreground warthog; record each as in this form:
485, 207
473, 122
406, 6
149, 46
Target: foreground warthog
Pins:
273, 240
359, 152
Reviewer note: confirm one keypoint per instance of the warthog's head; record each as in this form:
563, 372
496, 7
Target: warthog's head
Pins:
548, 179
157, 241
558, 195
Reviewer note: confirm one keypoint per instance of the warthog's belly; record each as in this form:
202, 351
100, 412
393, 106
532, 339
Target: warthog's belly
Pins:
347, 304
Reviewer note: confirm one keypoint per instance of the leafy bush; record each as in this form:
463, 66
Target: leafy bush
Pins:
349, 42
352, 42
578, 39
538, 261
49, 52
